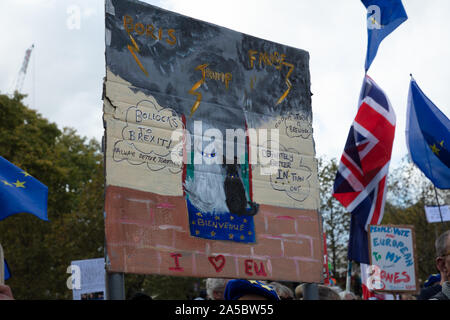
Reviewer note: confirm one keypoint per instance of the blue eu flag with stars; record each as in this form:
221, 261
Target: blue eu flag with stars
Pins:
20, 192
383, 17
7, 272
428, 137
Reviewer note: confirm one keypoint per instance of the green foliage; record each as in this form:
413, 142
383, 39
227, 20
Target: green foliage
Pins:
336, 221
39, 252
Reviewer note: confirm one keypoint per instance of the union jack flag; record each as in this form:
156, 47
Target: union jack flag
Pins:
361, 180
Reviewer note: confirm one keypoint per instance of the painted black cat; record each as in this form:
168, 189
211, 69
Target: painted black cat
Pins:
235, 193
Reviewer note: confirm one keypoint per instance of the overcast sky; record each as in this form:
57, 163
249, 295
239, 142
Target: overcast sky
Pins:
66, 71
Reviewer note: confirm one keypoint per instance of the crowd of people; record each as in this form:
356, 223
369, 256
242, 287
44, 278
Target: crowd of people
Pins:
437, 286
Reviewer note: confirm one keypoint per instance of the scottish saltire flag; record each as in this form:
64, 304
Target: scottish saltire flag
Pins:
361, 180
7, 273
20, 192
428, 137
383, 17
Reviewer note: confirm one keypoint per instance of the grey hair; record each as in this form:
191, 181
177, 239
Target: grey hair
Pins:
281, 289
441, 243
215, 284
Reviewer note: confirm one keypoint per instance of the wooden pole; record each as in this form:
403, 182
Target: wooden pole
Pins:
2, 266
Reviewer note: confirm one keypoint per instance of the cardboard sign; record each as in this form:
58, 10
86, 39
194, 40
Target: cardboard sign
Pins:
393, 258
89, 279
210, 160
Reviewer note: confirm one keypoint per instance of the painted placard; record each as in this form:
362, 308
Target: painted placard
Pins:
209, 154
393, 258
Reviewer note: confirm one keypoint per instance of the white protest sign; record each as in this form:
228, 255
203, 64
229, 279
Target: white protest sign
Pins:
91, 279
392, 257
433, 214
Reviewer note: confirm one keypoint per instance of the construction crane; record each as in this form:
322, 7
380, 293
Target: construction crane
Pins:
23, 71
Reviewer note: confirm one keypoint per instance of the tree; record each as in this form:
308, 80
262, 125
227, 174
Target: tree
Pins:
39, 252
336, 220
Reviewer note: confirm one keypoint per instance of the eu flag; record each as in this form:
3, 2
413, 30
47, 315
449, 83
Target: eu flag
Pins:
7, 273
428, 137
383, 17
20, 192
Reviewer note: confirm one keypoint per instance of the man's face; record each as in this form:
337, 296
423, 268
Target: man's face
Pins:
443, 262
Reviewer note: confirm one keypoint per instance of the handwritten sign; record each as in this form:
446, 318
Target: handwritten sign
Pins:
91, 279
434, 214
392, 253
180, 95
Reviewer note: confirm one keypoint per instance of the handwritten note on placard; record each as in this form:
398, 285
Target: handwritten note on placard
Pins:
392, 253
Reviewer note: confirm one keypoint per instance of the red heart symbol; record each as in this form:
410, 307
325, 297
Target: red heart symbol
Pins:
218, 262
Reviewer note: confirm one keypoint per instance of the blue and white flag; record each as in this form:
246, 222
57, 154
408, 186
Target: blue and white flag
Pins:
20, 192
383, 17
428, 137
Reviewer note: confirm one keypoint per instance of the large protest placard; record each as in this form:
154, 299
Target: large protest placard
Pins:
393, 258
209, 153
89, 278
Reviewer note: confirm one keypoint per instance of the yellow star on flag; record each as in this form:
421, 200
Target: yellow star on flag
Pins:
213, 233
19, 184
7, 183
26, 174
435, 149
199, 214
197, 232
231, 236
217, 218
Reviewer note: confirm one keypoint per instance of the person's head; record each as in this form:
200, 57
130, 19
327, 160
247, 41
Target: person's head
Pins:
284, 292
442, 245
407, 297
240, 289
347, 295
299, 291
326, 293
215, 288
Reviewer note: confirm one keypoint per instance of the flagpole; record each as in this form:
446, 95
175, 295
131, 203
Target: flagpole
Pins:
2, 266
437, 201
431, 172
349, 276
